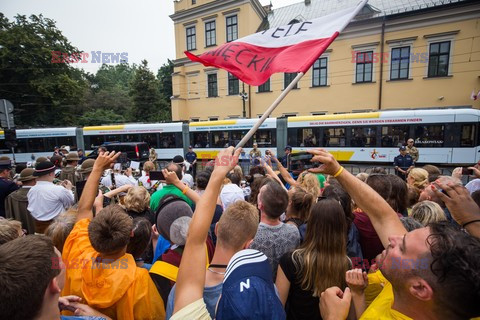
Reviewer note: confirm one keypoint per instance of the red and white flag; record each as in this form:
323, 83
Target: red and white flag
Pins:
474, 96
291, 48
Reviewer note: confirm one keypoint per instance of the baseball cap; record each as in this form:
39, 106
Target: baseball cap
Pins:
178, 160
402, 148
248, 291
288, 147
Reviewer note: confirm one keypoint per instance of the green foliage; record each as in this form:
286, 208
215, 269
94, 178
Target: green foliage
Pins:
148, 103
39, 89
100, 116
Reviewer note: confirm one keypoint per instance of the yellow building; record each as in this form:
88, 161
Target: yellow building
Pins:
430, 51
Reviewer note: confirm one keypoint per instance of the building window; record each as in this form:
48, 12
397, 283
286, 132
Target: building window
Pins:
364, 67
212, 118
212, 85
439, 59
232, 28
288, 78
191, 38
319, 76
265, 87
194, 1
233, 85
400, 63
210, 35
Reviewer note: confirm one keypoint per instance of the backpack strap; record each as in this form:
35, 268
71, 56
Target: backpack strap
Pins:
165, 270
168, 270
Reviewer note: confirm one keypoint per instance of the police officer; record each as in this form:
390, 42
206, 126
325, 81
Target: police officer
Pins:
403, 163
7, 186
191, 157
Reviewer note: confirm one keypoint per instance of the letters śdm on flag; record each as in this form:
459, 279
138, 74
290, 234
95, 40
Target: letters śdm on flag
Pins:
291, 48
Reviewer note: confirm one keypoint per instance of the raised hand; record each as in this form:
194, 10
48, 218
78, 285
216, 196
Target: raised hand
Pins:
105, 160
328, 163
357, 280
335, 304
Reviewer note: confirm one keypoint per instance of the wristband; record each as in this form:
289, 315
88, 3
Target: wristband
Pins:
338, 172
185, 190
466, 224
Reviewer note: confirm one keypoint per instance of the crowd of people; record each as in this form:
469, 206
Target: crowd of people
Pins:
84, 239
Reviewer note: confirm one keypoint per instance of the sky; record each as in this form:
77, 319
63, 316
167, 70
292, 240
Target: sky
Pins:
142, 28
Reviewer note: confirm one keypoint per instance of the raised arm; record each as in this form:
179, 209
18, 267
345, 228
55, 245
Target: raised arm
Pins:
383, 217
461, 205
171, 178
103, 162
284, 172
191, 275
272, 173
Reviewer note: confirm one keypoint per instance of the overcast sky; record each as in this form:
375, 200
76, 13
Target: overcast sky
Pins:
141, 28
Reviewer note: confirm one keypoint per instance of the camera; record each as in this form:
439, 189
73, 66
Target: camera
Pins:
301, 161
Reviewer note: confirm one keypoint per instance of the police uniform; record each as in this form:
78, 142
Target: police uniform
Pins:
402, 162
7, 186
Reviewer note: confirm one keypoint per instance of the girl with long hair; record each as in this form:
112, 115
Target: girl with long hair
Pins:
319, 263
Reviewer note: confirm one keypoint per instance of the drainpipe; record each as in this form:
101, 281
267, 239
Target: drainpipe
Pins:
250, 101
382, 47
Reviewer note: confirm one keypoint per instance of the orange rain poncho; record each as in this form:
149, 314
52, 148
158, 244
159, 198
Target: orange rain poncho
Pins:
118, 289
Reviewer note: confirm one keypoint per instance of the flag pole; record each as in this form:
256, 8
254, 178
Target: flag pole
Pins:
269, 111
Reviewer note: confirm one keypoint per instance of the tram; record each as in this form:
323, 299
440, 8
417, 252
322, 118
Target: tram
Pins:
443, 136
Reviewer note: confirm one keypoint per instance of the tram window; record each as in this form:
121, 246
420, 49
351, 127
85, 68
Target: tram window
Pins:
35, 145
292, 138
468, 136
265, 138
364, 137
429, 136
113, 138
131, 138
50, 144
200, 140
3, 147
150, 139
21, 146
304, 137
334, 137
394, 136
96, 141
178, 139
167, 140
66, 141
236, 137
220, 139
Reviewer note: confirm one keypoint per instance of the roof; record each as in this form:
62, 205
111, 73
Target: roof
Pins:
318, 8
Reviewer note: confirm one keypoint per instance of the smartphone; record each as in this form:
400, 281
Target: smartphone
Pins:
467, 172
156, 175
301, 161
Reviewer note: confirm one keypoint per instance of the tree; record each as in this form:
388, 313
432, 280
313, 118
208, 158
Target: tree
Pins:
43, 92
164, 75
147, 102
100, 116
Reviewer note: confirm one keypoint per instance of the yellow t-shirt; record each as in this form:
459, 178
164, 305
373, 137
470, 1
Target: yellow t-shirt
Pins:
196, 310
381, 307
